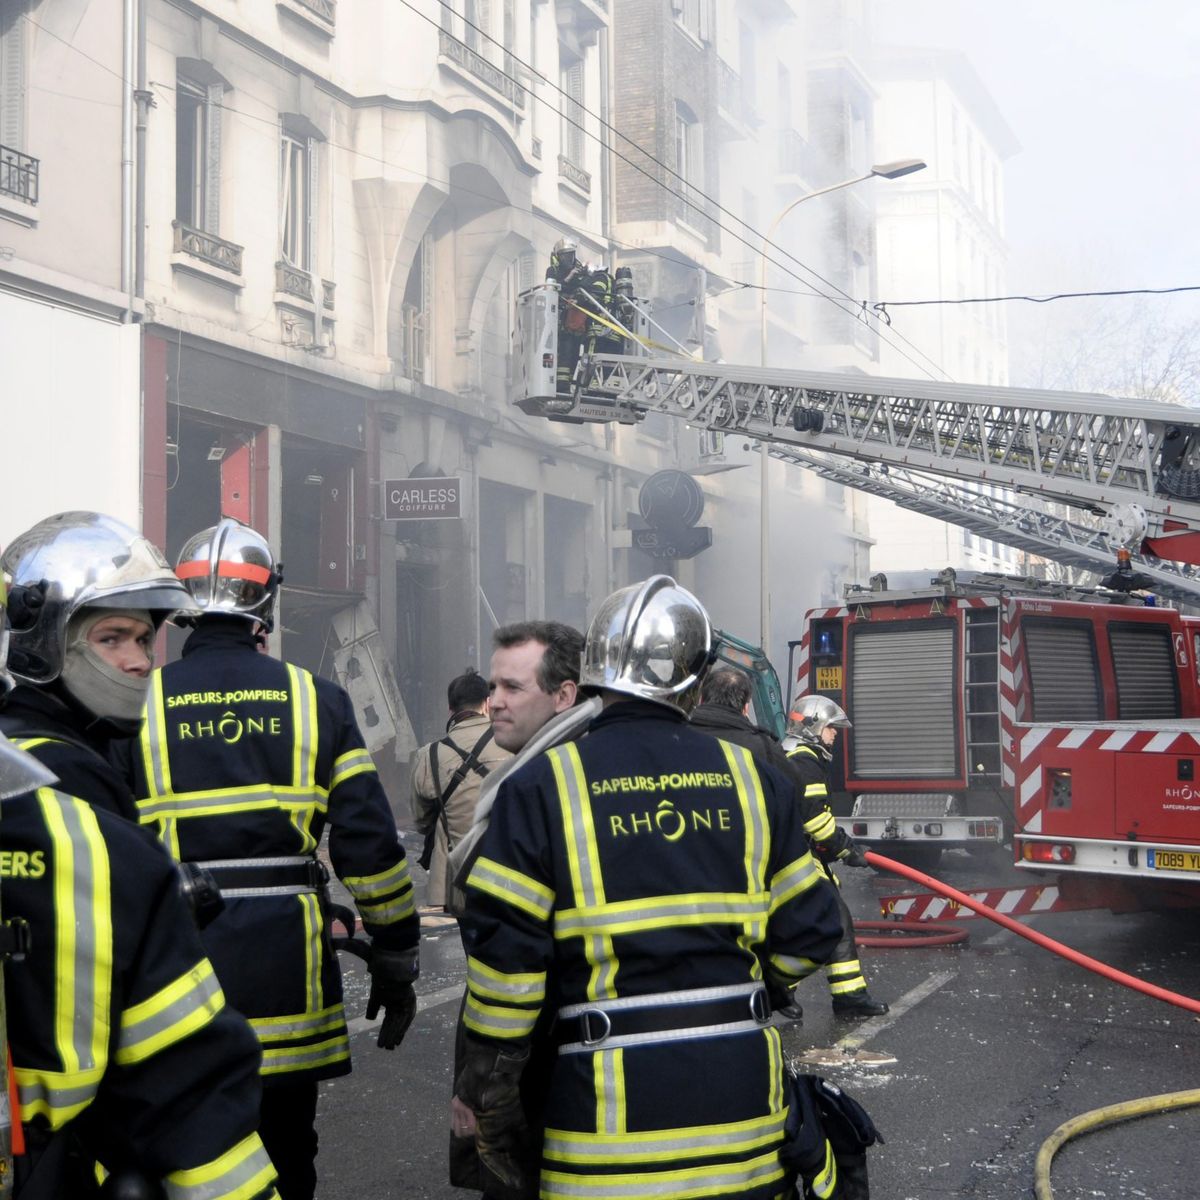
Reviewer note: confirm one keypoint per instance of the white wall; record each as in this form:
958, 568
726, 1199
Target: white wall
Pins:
72, 415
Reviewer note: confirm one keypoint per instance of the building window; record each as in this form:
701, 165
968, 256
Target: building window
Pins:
197, 154
571, 82
689, 160
693, 16
297, 161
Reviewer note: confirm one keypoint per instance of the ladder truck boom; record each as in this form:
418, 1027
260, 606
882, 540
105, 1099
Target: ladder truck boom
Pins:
1134, 462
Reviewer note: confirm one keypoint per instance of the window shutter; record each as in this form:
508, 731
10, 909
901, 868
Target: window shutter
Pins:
310, 232
12, 75
212, 158
525, 272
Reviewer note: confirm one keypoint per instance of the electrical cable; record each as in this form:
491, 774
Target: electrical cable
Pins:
1032, 935
1098, 1118
881, 305
860, 309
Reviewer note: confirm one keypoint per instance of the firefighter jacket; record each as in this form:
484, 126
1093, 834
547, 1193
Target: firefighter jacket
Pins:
812, 768
241, 763
123, 1047
640, 881
71, 744
449, 823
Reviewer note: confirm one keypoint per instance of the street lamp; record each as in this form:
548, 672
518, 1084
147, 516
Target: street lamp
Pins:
891, 170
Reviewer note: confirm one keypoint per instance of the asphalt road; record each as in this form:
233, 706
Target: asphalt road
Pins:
995, 1043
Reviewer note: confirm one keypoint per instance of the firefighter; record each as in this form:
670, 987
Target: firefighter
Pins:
123, 1049
87, 594
641, 882
242, 760
583, 290
813, 728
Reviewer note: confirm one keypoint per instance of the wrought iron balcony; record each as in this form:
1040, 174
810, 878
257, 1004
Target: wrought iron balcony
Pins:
208, 248
326, 9
575, 174
295, 281
475, 64
18, 175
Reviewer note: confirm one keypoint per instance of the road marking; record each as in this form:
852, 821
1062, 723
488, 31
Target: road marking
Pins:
429, 1000
868, 1029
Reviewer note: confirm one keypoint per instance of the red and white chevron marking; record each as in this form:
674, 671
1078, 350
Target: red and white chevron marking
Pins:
1011, 674
1039, 743
1013, 902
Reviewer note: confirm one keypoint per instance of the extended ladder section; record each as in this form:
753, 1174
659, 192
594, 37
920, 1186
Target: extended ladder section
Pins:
981, 690
1135, 462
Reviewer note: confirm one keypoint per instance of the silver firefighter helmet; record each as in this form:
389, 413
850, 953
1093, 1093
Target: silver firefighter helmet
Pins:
812, 715
72, 561
652, 640
229, 570
19, 771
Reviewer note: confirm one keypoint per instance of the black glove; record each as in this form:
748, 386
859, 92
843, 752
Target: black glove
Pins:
490, 1084
854, 856
392, 975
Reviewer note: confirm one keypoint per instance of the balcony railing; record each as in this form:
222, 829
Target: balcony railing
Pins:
208, 248
326, 9
295, 281
729, 90
18, 175
462, 55
573, 173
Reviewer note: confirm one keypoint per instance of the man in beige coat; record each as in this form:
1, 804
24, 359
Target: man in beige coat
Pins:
447, 775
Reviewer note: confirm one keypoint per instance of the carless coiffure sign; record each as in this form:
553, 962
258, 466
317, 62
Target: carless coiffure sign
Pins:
422, 499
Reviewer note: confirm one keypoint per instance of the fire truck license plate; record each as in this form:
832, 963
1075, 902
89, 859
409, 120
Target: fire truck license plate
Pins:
1173, 860
829, 679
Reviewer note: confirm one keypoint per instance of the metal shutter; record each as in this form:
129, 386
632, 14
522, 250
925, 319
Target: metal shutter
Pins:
1144, 663
902, 689
1063, 678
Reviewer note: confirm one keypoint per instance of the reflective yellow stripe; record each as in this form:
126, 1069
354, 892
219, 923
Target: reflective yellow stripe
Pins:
608, 1076
805, 750
775, 1057
82, 933
797, 877
353, 762
791, 968
218, 801
298, 1025
583, 856
663, 1145
754, 814
313, 997
661, 912
58, 1096
494, 1022
825, 1183
512, 887
388, 912
370, 887
821, 827
156, 763
525, 987
845, 986
173, 1013
304, 729
282, 1059
851, 967
238, 1174
689, 1183
30, 743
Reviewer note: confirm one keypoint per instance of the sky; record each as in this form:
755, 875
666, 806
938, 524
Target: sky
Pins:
1103, 97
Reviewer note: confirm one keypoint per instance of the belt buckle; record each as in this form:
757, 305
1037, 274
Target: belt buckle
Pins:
318, 876
587, 1038
760, 1007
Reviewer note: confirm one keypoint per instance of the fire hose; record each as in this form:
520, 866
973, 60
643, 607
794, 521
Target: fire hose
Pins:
1100, 1117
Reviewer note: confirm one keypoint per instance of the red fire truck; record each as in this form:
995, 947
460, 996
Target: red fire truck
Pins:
1001, 709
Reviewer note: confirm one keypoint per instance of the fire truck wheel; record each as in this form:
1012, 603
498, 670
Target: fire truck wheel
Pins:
920, 858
